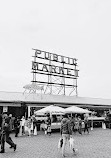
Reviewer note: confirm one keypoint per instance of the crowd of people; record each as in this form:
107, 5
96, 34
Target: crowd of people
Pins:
19, 126
79, 125
28, 126
70, 125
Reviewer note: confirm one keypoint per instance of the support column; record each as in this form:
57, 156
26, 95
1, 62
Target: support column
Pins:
28, 111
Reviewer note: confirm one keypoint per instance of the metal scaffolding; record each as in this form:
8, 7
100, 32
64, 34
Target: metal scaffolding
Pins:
57, 83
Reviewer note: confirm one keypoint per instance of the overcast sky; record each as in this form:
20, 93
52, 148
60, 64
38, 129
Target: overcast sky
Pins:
74, 28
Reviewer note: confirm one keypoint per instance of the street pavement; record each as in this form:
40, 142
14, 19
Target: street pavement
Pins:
96, 144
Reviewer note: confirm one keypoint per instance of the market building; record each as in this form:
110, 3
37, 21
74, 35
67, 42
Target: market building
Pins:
25, 103
54, 82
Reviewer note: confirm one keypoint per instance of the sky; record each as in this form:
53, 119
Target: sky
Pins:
75, 28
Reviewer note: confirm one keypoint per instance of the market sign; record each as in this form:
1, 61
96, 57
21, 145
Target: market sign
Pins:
54, 69
63, 70
56, 72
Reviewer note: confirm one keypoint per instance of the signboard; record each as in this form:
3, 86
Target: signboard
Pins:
5, 108
59, 69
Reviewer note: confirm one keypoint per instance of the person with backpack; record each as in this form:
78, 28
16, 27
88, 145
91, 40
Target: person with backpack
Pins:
6, 130
66, 132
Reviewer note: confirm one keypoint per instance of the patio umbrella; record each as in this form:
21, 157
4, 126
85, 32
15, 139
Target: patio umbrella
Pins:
52, 109
75, 109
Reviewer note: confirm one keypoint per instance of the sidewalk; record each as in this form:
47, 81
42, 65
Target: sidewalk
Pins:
97, 144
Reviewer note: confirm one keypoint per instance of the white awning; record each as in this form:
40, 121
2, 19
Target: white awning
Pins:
75, 109
50, 109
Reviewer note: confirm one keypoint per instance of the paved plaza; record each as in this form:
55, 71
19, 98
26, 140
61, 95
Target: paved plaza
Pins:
97, 144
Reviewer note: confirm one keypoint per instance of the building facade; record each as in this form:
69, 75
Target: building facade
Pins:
19, 104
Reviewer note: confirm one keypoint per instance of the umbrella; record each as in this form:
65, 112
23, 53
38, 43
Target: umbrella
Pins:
75, 109
52, 109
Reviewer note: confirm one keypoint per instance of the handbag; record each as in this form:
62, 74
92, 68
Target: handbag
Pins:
71, 143
32, 127
48, 129
60, 143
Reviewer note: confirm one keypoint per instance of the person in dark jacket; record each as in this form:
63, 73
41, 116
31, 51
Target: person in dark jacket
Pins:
66, 132
86, 125
80, 125
0, 126
2, 134
16, 126
6, 134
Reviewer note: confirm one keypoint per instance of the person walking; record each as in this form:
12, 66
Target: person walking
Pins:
34, 123
11, 122
66, 132
17, 126
23, 125
86, 124
6, 130
80, 125
48, 123
72, 123
0, 126
29, 122
76, 124
2, 134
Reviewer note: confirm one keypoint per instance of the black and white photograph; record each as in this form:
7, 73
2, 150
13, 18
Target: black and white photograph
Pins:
55, 80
